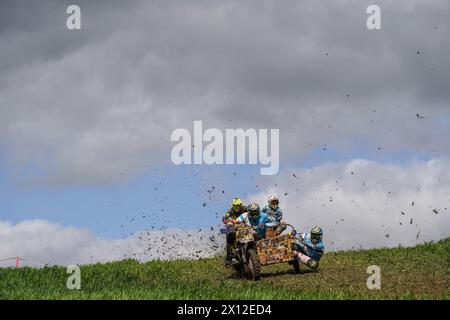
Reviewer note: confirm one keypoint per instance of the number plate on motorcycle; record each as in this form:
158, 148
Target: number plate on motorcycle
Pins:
245, 234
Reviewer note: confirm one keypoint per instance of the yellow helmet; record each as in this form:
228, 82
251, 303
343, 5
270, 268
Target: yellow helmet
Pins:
236, 203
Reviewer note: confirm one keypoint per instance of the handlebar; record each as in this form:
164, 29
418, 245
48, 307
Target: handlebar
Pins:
231, 228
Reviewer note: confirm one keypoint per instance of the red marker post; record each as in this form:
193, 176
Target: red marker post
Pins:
17, 261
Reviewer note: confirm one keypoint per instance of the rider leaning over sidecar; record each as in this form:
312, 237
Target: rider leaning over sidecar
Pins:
257, 219
308, 247
272, 209
237, 208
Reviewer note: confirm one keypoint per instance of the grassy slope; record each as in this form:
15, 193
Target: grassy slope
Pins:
420, 272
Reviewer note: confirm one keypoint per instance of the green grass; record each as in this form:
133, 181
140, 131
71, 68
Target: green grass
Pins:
420, 272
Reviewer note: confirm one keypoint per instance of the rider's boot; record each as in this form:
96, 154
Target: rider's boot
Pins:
228, 262
229, 258
313, 264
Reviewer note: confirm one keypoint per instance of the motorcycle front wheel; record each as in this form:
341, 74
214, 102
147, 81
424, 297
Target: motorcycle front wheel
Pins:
240, 270
253, 267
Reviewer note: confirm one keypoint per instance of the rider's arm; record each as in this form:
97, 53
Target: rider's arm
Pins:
301, 236
270, 221
241, 218
226, 217
279, 215
319, 247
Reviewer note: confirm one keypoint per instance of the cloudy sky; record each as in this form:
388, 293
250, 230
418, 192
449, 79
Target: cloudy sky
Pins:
86, 117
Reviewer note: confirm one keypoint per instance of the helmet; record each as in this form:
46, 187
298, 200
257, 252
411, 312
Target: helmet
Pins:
273, 202
236, 204
253, 210
316, 234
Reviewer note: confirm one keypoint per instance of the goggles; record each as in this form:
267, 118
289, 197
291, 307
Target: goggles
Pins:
254, 213
316, 236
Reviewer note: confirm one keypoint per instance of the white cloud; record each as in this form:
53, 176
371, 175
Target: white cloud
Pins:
40, 241
360, 209
355, 210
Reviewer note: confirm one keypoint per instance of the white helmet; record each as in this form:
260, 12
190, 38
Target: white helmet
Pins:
273, 202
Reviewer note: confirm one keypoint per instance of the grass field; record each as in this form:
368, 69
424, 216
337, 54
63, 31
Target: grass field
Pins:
420, 272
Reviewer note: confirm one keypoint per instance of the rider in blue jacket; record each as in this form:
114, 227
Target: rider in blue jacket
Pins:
308, 247
257, 219
272, 209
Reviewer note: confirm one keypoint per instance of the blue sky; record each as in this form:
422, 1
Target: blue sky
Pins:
165, 197
169, 197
